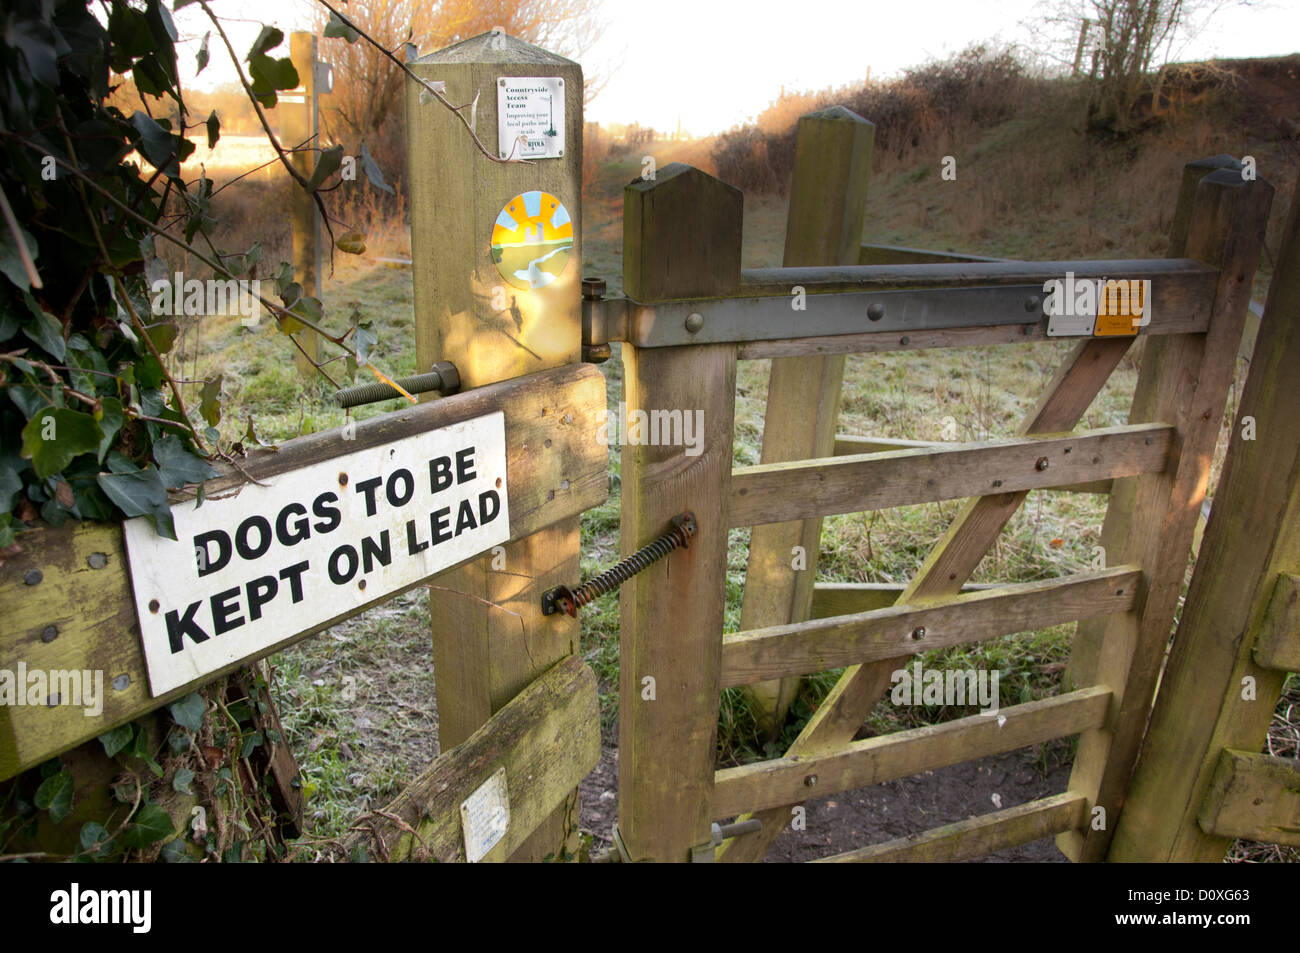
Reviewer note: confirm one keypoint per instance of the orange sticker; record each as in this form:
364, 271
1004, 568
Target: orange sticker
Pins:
1122, 307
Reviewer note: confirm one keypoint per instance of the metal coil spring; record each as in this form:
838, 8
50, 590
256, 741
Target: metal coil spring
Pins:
621, 572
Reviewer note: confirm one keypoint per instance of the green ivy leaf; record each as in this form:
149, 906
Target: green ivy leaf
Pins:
203, 54
150, 825
53, 437
45, 330
110, 422
363, 340
176, 852
163, 334
210, 401
11, 263
373, 174
337, 28
157, 145
268, 39
117, 739
140, 493
94, 838
55, 795
11, 485
327, 163
251, 743
182, 781
178, 465
188, 711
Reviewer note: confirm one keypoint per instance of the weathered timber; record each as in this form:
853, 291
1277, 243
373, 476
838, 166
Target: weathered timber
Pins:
828, 195
681, 237
771, 492
977, 836
1184, 381
782, 781
466, 312
821, 644
547, 737
1253, 796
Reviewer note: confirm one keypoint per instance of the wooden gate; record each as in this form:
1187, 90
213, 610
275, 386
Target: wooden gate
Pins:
692, 313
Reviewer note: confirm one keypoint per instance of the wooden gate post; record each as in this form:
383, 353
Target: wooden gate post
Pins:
832, 165
300, 124
681, 239
490, 639
1183, 382
1241, 597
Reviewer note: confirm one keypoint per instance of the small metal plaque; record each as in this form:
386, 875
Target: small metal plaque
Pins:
485, 816
530, 117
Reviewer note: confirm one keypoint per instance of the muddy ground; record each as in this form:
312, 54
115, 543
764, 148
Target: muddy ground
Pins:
883, 812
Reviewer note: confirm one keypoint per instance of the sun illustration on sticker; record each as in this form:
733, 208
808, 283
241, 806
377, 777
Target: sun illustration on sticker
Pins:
532, 240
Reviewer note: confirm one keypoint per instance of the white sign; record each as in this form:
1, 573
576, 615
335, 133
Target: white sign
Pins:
252, 569
530, 117
485, 816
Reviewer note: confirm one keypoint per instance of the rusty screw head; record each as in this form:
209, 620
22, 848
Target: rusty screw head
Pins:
810, 781
918, 632
1042, 464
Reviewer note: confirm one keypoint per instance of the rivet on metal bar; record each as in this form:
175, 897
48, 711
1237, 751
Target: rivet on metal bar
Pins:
569, 601
442, 377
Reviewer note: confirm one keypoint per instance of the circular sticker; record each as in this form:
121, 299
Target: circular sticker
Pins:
532, 239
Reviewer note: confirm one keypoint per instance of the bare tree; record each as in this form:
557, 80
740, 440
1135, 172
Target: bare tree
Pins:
1118, 43
368, 86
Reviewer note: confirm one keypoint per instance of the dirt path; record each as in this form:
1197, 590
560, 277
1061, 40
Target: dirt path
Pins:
870, 815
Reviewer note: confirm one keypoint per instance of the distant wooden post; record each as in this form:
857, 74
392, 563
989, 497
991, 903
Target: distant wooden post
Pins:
299, 125
681, 239
1239, 634
1183, 382
832, 166
490, 639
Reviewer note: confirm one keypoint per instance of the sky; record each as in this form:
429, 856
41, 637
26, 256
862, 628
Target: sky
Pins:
711, 64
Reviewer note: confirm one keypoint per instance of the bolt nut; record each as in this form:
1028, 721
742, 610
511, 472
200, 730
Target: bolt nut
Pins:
810, 781
33, 577
446, 370
694, 321
1033, 303
918, 632
593, 288
1042, 464
875, 311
